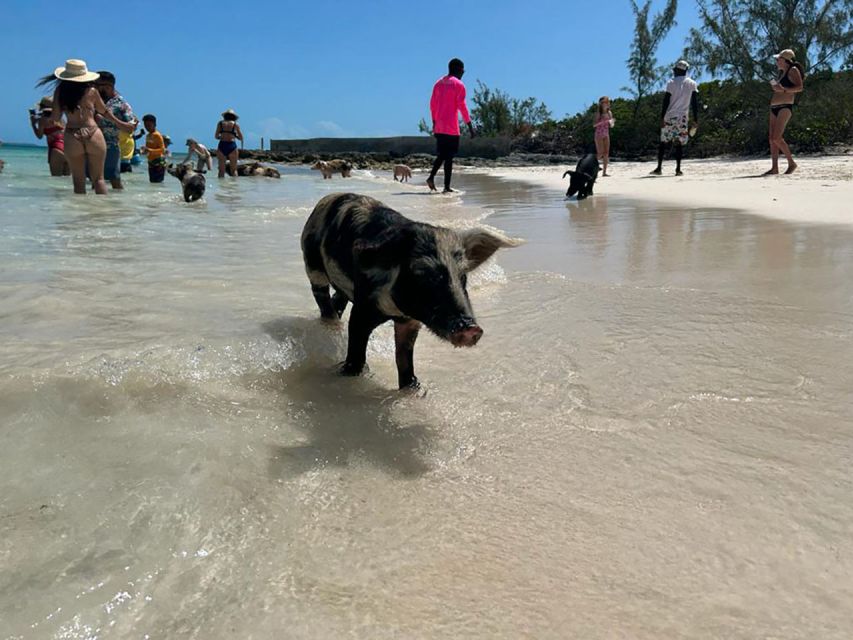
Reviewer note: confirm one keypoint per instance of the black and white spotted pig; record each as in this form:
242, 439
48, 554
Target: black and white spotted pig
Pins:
392, 268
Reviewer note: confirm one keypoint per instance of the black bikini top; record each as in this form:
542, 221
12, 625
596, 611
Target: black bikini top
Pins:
785, 81
232, 130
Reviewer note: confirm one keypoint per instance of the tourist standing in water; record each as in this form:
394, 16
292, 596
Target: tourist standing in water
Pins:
79, 101
680, 98
155, 149
448, 99
106, 86
45, 124
205, 160
787, 84
228, 132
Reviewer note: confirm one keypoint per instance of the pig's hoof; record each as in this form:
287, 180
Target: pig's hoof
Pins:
348, 369
412, 385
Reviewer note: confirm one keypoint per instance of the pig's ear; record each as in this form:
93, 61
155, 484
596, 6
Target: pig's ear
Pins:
480, 244
383, 252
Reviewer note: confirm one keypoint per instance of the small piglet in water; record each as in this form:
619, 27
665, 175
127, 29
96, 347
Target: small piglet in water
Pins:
392, 268
192, 182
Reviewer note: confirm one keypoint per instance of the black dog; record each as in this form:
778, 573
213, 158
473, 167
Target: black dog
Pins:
583, 177
192, 181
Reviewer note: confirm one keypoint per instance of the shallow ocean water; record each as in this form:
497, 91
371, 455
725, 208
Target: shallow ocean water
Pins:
653, 438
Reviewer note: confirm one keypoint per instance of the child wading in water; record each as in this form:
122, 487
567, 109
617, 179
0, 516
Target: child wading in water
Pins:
603, 121
155, 149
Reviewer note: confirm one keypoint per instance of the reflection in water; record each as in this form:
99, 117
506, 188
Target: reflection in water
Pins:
607, 239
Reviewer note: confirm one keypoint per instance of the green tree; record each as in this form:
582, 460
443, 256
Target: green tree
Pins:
642, 61
737, 38
495, 112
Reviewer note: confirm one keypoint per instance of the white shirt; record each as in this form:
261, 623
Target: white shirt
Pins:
680, 88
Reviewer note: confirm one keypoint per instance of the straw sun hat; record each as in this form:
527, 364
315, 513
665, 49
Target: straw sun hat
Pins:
75, 71
787, 54
230, 112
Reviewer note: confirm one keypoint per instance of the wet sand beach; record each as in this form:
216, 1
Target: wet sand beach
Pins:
652, 439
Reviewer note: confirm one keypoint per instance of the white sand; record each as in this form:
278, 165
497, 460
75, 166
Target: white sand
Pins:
820, 191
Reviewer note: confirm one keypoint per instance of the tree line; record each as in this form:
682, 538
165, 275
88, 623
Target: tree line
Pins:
733, 44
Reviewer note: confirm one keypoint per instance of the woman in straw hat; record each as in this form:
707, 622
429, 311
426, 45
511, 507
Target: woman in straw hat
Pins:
788, 83
76, 97
46, 124
228, 132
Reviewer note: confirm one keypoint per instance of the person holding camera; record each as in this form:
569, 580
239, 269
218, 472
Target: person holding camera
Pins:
46, 125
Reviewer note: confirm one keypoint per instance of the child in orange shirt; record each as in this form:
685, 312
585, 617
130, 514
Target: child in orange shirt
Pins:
155, 149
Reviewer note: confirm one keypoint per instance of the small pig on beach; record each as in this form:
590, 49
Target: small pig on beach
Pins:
403, 172
582, 179
392, 268
330, 167
192, 182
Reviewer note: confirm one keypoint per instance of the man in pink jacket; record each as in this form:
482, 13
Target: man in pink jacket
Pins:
448, 99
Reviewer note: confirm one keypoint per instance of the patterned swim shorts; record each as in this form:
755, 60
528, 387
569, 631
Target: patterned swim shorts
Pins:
675, 130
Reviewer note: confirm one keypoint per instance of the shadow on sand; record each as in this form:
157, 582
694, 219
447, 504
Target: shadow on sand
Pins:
344, 419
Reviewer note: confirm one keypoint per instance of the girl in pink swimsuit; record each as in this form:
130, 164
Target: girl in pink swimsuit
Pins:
603, 121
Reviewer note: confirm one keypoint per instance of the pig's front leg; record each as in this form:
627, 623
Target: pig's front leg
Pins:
405, 334
363, 319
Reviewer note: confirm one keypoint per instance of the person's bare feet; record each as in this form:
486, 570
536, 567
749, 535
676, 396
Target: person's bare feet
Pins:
431, 184
655, 172
791, 168
771, 172
605, 175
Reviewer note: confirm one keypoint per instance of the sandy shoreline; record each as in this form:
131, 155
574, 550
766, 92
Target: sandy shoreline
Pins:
821, 190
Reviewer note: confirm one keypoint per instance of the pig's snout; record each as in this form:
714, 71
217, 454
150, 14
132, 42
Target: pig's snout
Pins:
466, 335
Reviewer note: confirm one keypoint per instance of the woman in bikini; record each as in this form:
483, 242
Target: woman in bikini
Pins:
786, 85
44, 124
228, 132
76, 97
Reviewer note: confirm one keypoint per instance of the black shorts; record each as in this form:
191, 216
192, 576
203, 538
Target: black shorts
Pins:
446, 145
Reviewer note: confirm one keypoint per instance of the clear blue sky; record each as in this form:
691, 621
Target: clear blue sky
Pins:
328, 68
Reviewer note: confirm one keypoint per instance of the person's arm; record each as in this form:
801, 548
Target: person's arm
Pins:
238, 132
463, 109
129, 125
694, 106
101, 109
666, 98
38, 126
797, 78
433, 106
218, 133
190, 151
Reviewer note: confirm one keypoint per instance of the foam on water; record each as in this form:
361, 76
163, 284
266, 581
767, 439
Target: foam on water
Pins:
652, 438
